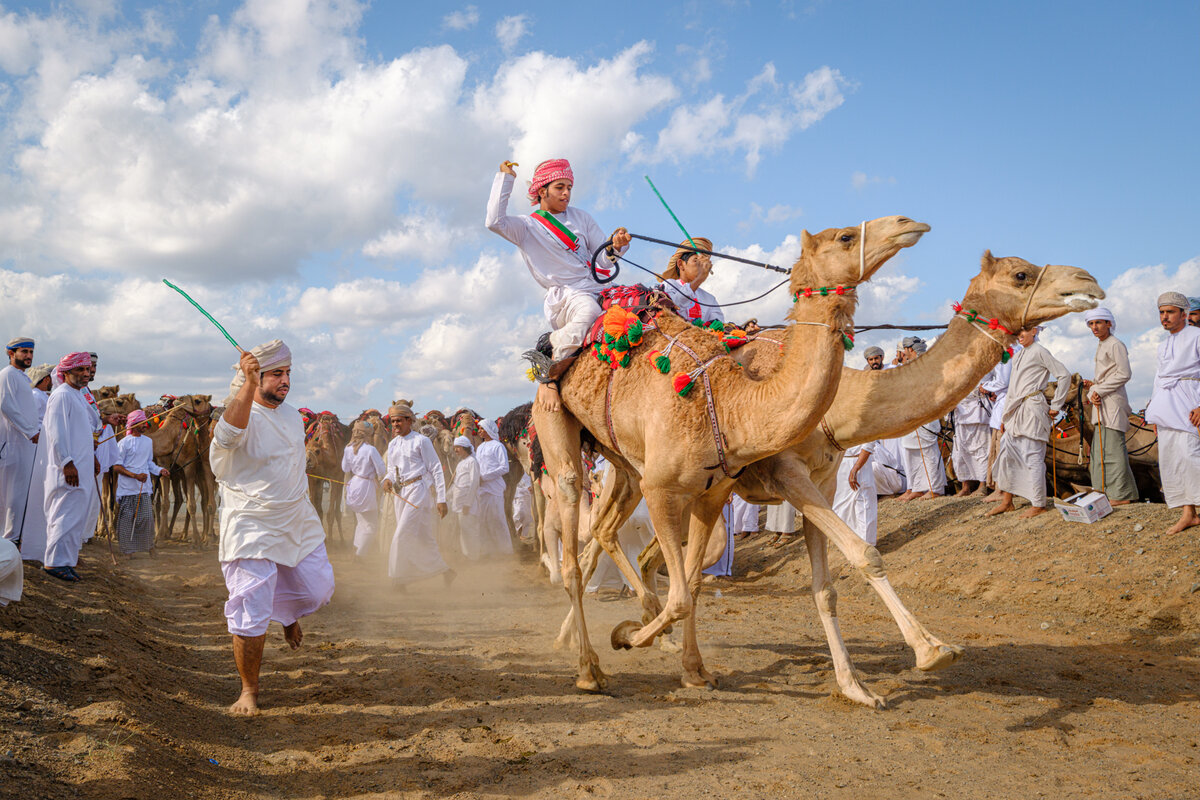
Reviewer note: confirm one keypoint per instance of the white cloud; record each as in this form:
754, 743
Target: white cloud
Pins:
771, 216
510, 30
461, 20
759, 120
422, 236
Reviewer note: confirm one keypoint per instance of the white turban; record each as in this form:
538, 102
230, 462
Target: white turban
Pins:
464, 442
1100, 313
490, 428
1174, 299
36, 374
873, 351
272, 355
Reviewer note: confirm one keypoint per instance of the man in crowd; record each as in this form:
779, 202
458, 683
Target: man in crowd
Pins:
994, 387
922, 457
1194, 311
493, 466
1021, 458
1109, 468
19, 425
972, 434
33, 526
272, 545
71, 467
364, 464
1175, 409
887, 461
854, 499
413, 470
464, 498
134, 466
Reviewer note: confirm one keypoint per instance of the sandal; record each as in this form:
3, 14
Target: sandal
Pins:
62, 573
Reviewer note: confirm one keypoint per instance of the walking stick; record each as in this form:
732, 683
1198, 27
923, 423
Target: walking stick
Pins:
1103, 474
28, 489
100, 498
925, 466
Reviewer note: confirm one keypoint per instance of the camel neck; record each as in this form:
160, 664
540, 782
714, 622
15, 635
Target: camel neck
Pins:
887, 403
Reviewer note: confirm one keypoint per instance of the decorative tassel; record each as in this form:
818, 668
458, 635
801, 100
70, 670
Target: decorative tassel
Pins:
848, 341
683, 383
660, 362
529, 374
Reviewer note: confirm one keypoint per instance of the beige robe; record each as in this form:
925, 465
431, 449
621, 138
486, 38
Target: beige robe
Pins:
1112, 373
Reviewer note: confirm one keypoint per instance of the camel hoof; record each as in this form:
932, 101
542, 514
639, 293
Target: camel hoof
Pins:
863, 696
594, 681
621, 634
943, 656
699, 680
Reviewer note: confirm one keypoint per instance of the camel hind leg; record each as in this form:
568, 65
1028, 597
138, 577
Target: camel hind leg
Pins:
667, 512
706, 521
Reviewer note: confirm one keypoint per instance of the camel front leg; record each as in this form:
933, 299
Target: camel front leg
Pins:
587, 563
560, 435
706, 516
666, 514
825, 597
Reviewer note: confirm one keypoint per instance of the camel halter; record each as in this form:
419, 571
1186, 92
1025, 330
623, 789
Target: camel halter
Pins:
1037, 282
862, 250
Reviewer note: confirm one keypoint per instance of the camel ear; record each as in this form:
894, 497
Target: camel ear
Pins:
988, 263
806, 242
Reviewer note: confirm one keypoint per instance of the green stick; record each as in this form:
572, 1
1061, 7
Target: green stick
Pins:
200, 308
686, 235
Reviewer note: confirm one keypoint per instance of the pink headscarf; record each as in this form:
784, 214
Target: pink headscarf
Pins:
135, 417
72, 361
547, 173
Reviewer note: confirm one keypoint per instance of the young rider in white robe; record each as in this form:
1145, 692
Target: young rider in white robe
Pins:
134, 466
463, 497
1020, 467
556, 242
1175, 409
19, 425
363, 463
33, 526
272, 544
415, 480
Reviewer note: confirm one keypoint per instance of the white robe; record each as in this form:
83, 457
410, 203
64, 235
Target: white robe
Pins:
858, 508
366, 470
1020, 466
1112, 373
67, 431
523, 508
923, 459
18, 425
781, 518
107, 455
743, 515
493, 522
135, 454
888, 467
265, 510
12, 573
1176, 394
33, 531
463, 499
570, 288
972, 435
414, 552
996, 381
693, 303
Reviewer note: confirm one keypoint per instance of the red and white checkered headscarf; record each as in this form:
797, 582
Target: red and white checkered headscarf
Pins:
547, 173
72, 361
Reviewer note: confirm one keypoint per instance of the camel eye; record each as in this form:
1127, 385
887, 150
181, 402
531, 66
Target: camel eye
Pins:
847, 237
1020, 276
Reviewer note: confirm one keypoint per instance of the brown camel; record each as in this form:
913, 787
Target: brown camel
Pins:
323, 463
685, 469
873, 405
199, 475
176, 447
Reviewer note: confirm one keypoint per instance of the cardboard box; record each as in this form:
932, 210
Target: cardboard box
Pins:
1084, 507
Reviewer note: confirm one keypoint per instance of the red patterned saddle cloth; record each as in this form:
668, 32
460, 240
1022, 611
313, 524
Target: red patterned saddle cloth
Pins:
641, 300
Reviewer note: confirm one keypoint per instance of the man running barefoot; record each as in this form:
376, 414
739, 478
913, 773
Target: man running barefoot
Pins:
556, 242
272, 548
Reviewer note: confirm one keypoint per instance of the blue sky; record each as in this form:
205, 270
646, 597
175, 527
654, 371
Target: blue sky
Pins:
318, 171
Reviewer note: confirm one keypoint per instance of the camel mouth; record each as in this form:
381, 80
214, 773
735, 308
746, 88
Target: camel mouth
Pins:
909, 238
1080, 301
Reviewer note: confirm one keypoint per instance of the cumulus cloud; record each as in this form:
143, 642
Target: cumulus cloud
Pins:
773, 215
860, 180
759, 120
461, 20
510, 30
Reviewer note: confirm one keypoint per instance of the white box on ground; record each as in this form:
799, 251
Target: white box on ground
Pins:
1084, 507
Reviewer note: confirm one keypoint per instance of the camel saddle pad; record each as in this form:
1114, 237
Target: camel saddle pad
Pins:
641, 300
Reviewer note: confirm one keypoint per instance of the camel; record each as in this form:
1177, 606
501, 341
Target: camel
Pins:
176, 447
121, 404
323, 463
198, 474
677, 445
873, 405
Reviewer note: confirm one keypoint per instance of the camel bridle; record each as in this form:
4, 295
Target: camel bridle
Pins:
1029, 302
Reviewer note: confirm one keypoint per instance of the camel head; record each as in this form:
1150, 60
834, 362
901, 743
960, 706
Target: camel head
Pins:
198, 405
838, 256
1018, 293
107, 392
117, 404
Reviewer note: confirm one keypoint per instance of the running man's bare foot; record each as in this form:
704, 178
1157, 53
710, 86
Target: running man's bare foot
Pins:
1033, 511
293, 635
548, 398
246, 705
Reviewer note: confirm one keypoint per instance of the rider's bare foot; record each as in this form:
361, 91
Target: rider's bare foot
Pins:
246, 705
548, 398
293, 635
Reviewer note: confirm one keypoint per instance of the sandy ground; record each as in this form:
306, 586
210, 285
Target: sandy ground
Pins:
1080, 679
